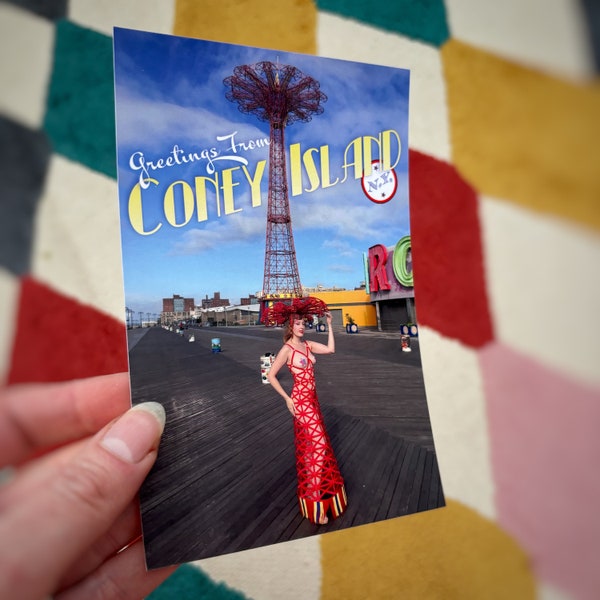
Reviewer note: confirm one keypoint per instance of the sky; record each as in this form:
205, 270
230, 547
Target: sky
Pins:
170, 101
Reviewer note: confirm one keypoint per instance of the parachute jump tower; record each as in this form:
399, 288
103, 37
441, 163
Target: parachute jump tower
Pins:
280, 95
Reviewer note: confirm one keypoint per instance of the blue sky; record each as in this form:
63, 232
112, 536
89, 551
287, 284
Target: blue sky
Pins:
170, 92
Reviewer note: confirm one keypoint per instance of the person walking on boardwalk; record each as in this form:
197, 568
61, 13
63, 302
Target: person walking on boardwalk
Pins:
320, 484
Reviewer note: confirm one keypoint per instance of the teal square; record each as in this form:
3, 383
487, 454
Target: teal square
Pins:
80, 108
423, 20
190, 583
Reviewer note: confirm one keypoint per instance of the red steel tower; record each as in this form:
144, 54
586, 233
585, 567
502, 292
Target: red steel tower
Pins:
281, 95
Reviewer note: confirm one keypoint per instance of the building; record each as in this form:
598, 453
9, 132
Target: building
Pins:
388, 299
342, 304
243, 314
251, 299
215, 301
390, 283
177, 308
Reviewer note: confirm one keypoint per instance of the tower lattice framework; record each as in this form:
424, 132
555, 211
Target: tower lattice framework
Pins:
280, 95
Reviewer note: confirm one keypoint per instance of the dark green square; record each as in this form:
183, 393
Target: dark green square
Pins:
423, 20
190, 583
80, 109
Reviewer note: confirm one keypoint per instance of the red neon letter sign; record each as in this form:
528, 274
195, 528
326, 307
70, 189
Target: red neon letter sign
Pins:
377, 277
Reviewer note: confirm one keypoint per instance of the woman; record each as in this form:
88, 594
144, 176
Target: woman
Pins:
320, 485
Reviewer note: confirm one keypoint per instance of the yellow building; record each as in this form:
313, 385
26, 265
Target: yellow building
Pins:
388, 300
355, 303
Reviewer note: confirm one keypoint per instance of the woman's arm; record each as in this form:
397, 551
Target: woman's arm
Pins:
318, 348
280, 360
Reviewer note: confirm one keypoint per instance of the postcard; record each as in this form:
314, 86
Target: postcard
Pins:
266, 245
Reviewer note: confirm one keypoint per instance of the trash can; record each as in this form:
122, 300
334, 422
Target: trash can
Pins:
405, 341
266, 360
216, 344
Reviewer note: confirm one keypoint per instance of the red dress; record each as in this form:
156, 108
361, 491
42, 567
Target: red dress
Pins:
320, 484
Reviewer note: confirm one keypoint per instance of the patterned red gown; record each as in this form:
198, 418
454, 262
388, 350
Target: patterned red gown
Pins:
320, 484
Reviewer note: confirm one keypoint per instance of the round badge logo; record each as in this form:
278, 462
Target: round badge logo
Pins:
380, 186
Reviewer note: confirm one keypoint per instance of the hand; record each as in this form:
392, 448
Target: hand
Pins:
68, 508
329, 318
290, 404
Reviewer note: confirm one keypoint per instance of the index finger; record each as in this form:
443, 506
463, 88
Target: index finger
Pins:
37, 416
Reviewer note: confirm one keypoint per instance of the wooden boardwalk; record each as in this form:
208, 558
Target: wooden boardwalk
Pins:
225, 478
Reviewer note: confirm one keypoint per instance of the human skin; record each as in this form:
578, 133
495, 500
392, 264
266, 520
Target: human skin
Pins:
284, 354
69, 519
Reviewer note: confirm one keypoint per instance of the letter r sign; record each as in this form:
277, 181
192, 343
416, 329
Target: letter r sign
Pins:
377, 276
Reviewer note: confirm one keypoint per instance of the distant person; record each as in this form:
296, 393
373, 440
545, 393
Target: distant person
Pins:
320, 484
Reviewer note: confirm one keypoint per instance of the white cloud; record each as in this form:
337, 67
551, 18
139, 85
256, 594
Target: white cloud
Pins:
242, 227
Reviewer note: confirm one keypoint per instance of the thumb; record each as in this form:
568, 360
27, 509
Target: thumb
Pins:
76, 501
136, 433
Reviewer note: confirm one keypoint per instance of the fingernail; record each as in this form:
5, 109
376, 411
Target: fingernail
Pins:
136, 432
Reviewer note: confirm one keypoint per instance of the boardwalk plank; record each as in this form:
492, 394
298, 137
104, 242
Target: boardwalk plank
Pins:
225, 477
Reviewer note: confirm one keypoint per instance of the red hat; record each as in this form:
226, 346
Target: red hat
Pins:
305, 308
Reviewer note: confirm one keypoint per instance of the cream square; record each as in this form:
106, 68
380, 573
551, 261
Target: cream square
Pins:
77, 245
291, 570
27, 49
544, 288
428, 115
9, 307
457, 408
145, 15
549, 35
